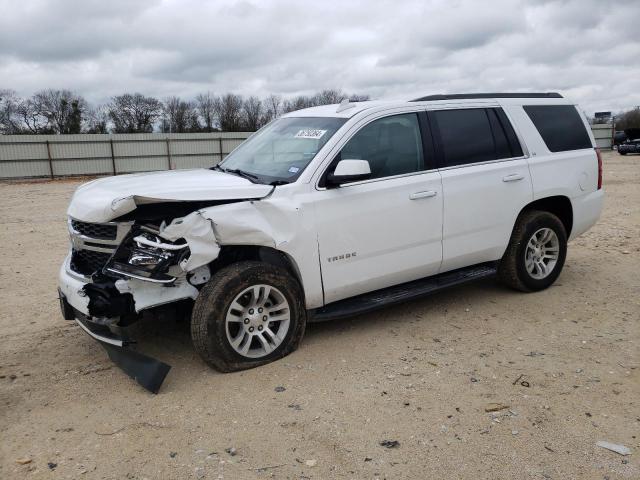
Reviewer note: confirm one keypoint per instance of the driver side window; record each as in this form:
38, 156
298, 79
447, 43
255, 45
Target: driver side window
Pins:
392, 145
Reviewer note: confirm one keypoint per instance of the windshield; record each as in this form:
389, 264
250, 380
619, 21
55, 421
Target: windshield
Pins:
280, 151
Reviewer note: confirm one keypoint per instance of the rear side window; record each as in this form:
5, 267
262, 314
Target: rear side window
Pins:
475, 135
560, 126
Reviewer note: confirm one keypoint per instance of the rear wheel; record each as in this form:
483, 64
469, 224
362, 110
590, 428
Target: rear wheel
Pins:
248, 314
536, 252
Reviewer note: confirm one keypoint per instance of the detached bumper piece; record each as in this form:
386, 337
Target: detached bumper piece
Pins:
147, 371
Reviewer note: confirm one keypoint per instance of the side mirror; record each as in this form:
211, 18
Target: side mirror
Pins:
349, 171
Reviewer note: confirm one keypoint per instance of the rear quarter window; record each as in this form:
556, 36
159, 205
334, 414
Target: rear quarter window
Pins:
560, 126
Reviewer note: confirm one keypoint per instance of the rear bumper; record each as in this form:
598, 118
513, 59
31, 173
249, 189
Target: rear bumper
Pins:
586, 211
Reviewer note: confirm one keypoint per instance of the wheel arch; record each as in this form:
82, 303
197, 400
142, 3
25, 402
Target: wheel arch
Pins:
236, 253
559, 205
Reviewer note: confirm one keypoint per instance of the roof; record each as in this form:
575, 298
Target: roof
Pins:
339, 110
469, 96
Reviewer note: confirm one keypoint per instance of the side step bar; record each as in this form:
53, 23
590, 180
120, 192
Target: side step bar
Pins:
401, 293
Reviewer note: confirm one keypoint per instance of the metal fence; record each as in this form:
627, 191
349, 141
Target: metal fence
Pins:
24, 156
603, 135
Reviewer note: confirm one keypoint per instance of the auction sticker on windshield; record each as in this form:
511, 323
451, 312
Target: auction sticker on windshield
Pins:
310, 133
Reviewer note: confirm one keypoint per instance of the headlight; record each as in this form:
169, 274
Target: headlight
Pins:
146, 256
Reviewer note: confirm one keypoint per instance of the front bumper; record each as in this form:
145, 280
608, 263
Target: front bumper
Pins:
75, 305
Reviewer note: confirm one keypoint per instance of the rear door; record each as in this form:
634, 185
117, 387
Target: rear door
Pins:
485, 181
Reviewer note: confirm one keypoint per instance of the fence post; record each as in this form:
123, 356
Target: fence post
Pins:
113, 157
50, 160
169, 153
220, 144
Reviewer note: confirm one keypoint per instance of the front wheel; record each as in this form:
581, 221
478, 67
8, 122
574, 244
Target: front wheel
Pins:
248, 314
536, 252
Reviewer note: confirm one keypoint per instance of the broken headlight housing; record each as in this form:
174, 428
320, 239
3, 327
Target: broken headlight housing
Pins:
144, 255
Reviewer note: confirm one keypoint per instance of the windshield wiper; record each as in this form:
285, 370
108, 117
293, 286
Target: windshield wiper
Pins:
249, 176
275, 183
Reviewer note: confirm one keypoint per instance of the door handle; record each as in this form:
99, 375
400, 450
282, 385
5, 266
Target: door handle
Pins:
514, 177
427, 194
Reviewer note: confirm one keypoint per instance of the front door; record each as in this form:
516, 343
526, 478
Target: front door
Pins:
388, 229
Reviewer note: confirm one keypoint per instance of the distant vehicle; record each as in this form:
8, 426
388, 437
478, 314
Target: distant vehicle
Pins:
632, 144
333, 211
619, 137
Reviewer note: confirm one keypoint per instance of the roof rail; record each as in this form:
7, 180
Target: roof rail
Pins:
465, 96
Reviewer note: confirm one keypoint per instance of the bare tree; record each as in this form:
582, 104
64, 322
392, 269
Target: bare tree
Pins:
628, 119
134, 113
62, 109
252, 113
97, 120
359, 98
9, 118
272, 107
325, 97
298, 103
229, 112
206, 104
179, 116
31, 118
329, 96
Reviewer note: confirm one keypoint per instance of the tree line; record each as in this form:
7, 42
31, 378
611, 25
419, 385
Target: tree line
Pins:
628, 119
63, 111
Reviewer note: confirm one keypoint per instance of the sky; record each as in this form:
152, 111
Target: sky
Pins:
589, 50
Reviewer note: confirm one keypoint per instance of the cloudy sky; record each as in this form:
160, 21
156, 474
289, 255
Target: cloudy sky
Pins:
587, 49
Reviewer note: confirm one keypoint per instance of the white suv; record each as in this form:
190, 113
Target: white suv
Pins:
333, 211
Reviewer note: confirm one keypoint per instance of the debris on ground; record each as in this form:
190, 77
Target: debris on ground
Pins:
495, 407
311, 463
52, 466
23, 461
231, 451
173, 454
390, 443
621, 449
279, 389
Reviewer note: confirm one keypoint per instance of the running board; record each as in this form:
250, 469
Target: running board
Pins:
401, 293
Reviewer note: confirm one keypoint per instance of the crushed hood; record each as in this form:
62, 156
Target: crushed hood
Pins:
107, 198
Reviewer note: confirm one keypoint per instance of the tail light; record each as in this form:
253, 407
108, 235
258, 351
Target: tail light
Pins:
599, 155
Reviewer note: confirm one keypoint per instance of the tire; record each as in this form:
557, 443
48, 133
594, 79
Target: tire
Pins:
215, 322
622, 153
519, 267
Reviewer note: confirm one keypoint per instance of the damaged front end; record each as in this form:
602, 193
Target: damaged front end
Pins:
157, 254
117, 270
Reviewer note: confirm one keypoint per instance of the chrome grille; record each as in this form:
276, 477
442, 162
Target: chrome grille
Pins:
103, 231
92, 244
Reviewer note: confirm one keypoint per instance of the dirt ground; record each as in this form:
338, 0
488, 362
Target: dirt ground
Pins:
421, 374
